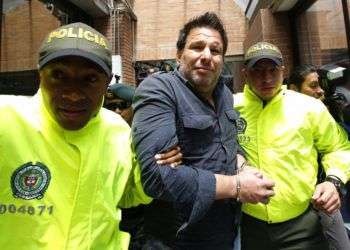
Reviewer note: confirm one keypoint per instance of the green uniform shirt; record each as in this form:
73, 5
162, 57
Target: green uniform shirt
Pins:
60, 189
283, 139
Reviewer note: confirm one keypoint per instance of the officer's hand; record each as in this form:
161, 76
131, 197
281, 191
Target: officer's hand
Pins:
326, 198
254, 186
173, 157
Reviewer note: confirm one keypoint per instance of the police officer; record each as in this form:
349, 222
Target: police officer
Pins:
57, 191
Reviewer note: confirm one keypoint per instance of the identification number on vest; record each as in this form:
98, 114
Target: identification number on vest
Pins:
25, 209
243, 138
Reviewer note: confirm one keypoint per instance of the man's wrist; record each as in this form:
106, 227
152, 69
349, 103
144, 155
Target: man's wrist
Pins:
237, 187
339, 185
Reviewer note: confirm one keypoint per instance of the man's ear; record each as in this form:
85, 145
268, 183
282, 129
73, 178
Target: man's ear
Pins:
178, 56
40, 76
109, 79
244, 72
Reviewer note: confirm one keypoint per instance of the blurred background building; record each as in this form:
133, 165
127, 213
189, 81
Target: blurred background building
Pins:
143, 33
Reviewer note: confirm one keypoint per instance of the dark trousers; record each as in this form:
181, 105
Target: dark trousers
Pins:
301, 233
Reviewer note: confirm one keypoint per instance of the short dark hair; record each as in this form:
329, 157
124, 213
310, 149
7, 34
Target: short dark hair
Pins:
208, 19
299, 74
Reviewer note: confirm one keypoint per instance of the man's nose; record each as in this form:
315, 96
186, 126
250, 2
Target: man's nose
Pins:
206, 54
320, 91
73, 96
266, 75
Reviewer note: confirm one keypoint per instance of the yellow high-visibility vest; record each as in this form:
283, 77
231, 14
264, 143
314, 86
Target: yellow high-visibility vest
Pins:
283, 139
61, 189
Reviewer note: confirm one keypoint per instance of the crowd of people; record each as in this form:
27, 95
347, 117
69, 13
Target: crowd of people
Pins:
184, 164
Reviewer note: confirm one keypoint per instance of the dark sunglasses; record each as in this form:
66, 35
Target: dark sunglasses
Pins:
118, 105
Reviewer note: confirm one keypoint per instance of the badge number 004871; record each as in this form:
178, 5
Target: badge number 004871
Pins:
26, 209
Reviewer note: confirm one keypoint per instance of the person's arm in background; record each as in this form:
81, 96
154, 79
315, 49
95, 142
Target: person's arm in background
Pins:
154, 131
333, 145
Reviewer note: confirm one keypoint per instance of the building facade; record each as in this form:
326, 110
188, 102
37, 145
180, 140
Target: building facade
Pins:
143, 33
25, 23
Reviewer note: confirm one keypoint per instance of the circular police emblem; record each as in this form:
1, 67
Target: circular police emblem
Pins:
241, 124
30, 181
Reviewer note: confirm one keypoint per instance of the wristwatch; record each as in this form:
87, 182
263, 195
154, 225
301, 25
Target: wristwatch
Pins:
339, 185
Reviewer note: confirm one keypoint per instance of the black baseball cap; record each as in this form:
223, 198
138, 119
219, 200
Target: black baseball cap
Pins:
77, 39
262, 50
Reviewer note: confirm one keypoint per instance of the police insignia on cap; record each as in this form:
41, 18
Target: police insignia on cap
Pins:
30, 181
241, 124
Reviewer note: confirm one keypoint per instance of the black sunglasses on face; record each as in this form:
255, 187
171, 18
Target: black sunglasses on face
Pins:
118, 105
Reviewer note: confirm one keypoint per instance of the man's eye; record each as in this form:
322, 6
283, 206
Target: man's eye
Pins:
215, 51
58, 74
257, 69
314, 85
91, 79
196, 46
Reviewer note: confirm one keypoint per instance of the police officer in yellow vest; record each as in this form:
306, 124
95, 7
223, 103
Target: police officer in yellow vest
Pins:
65, 167
282, 133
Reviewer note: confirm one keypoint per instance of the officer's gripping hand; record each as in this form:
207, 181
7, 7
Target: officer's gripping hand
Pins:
326, 198
254, 186
173, 157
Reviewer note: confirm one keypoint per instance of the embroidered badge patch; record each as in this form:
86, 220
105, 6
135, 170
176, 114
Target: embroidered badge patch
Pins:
241, 124
30, 181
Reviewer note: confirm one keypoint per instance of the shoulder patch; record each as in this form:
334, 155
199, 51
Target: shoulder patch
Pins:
30, 181
241, 124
